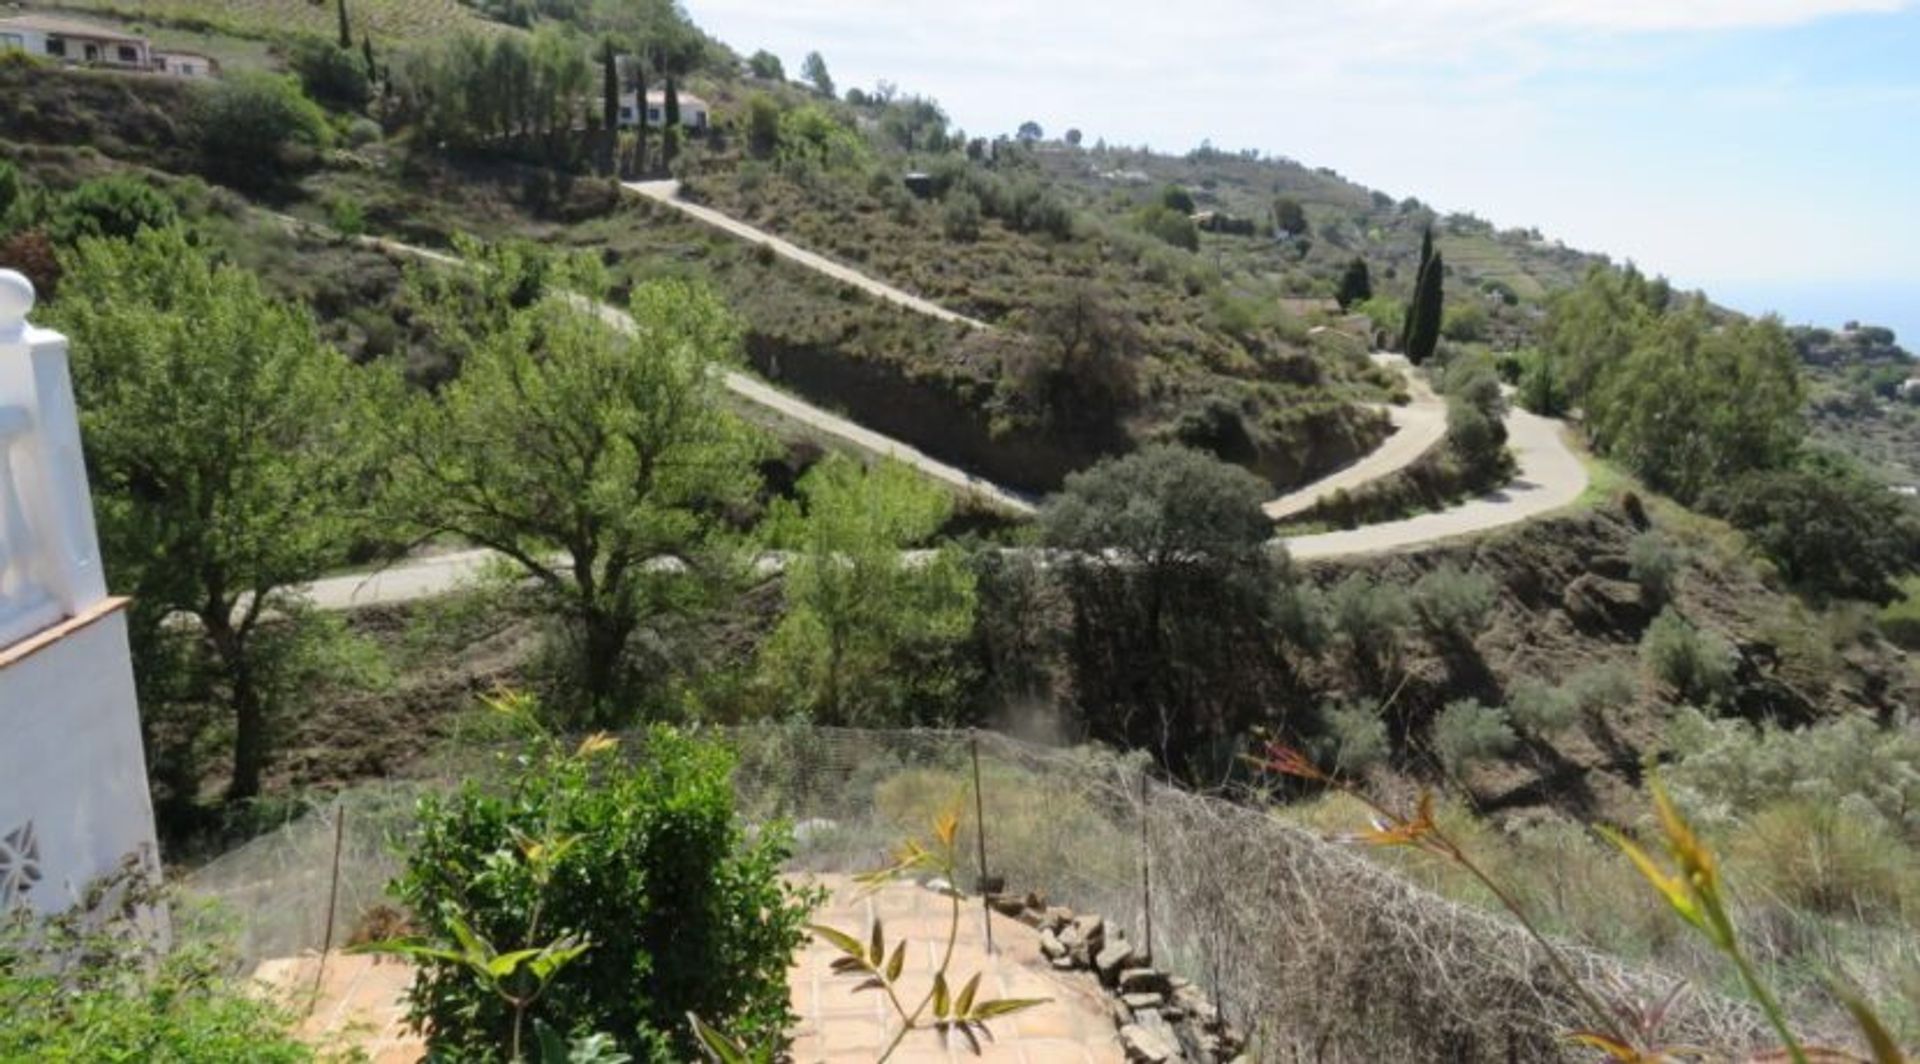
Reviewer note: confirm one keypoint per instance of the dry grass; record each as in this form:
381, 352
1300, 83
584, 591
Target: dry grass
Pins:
387, 20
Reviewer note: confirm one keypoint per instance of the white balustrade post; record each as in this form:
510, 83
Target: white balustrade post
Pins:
50, 471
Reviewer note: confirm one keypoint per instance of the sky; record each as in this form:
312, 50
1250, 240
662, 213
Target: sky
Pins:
1767, 151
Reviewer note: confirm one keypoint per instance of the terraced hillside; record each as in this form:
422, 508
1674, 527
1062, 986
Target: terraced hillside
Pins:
386, 20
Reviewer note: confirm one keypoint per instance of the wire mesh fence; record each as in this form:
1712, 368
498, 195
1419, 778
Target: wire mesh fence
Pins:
1315, 951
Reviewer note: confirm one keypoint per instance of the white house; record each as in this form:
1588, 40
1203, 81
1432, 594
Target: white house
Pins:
693, 110
186, 65
70, 41
73, 775
1910, 389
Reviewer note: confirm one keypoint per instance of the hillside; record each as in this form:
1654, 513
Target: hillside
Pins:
274, 20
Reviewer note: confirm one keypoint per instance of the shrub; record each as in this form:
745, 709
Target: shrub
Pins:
254, 128
114, 207
1899, 622
335, 76
346, 217
1453, 603
1175, 198
1654, 564
1830, 530
30, 252
1697, 665
1368, 617
643, 859
1168, 225
129, 1000
1598, 687
1466, 732
1355, 739
1540, 708
1465, 323
1722, 769
1823, 858
960, 216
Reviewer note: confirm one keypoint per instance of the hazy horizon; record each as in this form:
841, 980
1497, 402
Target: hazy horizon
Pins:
1759, 149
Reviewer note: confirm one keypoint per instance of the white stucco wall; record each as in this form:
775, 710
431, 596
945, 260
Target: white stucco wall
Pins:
72, 768
33, 42
73, 777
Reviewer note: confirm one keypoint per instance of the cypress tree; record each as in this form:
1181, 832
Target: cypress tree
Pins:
1426, 319
1419, 285
1356, 285
346, 28
609, 87
640, 128
672, 114
366, 52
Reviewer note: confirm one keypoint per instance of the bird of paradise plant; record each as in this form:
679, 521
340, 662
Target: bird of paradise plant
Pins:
940, 1009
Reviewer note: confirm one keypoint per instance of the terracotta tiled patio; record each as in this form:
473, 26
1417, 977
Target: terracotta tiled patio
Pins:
359, 998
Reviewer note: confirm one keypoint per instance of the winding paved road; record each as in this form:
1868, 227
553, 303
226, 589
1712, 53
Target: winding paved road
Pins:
1417, 427
668, 192
1549, 475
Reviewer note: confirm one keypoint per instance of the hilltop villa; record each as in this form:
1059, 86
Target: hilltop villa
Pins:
83, 43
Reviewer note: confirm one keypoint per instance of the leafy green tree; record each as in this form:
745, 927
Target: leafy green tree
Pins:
255, 128
1830, 530
869, 633
1179, 600
763, 125
332, 75
227, 448
1289, 217
813, 70
1175, 198
1694, 404
766, 66
1356, 284
564, 432
1029, 132
1594, 326
1158, 220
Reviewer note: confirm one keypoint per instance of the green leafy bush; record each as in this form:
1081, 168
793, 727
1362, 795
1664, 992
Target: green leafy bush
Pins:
1697, 665
1455, 604
256, 128
1540, 708
1654, 563
1830, 530
1369, 617
640, 857
960, 216
114, 207
128, 1000
1171, 226
1355, 738
335, 76
1466, 732
1597, 688
1724, 768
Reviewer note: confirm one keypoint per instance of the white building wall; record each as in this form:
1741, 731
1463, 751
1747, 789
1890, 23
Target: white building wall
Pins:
73, 773
33, 42
73, 790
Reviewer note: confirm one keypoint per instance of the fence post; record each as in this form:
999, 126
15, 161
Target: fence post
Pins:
1146, 867
980, 836
333, 897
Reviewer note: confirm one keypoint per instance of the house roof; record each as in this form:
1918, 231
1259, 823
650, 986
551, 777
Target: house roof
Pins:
659, 96
66, 27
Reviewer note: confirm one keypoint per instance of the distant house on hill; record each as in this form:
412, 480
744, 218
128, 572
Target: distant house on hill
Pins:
66, 40
70, 41
694, 114
186, 64
1910, 390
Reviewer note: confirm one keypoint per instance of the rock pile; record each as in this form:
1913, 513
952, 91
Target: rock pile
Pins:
1163, 1019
